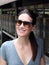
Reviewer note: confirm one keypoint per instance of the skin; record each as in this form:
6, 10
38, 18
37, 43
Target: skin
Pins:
2, 62
22, 43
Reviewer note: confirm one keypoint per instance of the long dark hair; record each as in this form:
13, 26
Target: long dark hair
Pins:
32, 38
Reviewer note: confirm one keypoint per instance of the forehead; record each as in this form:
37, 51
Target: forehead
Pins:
25, 17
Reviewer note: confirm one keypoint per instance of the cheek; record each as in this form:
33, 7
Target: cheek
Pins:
28, 30
16, 28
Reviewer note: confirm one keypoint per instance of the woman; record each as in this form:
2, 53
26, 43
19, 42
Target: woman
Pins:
26, 49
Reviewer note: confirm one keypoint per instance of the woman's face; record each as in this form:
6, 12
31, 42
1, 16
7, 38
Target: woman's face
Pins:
24, 25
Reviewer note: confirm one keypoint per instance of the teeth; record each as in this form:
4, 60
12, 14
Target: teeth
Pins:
21, 30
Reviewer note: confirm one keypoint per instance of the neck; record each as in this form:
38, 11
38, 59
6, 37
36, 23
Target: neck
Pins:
23, 40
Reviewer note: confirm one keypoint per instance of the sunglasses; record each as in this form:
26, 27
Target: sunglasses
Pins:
25, 23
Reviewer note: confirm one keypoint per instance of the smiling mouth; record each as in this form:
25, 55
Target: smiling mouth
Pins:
21, 30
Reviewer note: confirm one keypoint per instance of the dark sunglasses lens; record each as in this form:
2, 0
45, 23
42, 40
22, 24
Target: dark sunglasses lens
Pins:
27, 23
19, 22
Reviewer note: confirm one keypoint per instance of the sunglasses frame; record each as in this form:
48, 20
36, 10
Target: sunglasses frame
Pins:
25, 23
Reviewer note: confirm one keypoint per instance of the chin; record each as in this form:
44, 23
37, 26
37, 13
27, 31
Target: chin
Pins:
21, 35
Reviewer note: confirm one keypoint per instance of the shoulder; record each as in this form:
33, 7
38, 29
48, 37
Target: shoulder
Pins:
6, 47
41, 45
6, 43
40, 42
